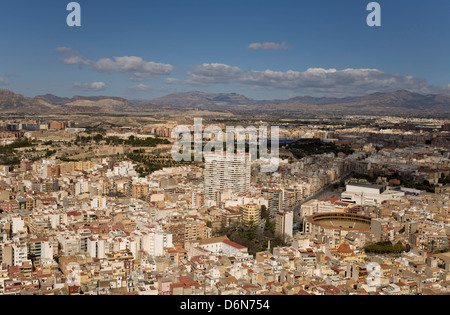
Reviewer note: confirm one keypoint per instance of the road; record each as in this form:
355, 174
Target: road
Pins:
324, 193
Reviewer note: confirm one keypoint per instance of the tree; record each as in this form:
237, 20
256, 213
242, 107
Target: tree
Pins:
269, 226
250, 231
264, 213
398, 247
385, 247
98, 137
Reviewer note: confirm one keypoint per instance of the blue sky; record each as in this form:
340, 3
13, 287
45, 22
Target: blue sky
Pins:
140, 49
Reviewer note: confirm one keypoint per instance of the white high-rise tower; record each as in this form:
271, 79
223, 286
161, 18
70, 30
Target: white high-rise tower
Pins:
226, 173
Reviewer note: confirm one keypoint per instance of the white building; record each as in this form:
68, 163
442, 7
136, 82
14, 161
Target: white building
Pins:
284, 224
46, 250
226, 173
154, 242
366, 194
17, 225
81, 187
20, 254
98, 202
70, 243
96, 247
221, 245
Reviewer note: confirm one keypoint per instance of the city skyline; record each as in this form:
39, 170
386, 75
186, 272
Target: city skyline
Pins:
357, 206
261, 49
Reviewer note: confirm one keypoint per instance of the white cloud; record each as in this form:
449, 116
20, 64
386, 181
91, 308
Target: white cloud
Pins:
63, 49
330, 82
148, 89
173, 81
141, 88
90, 87
71, 57
268, 46
4, 81
135, 67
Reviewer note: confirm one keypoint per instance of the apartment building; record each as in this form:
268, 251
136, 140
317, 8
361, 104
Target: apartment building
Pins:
284, 224
226, 173
251, 213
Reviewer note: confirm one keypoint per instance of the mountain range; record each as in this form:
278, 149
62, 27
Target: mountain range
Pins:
11, 102
397, 102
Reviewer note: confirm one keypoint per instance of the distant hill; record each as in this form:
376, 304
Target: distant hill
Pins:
394, 102
398, 102
53, 99
11, 102
203, 100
